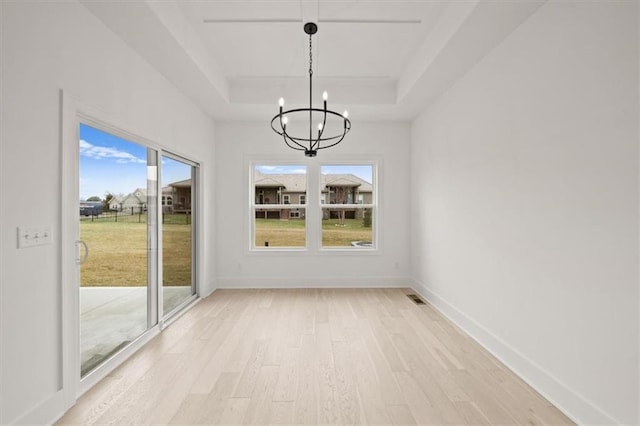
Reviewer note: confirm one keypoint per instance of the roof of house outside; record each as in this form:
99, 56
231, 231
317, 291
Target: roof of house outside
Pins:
267, 182
343, 180
141, 191
292, 182
166, 190
139, 195
181, 184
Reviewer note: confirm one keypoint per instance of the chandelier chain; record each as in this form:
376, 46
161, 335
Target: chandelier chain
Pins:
310, 57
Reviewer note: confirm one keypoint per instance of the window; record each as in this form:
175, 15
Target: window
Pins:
278, 223
343, 200
348, 204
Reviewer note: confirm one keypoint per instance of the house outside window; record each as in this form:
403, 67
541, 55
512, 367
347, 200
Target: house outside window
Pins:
348, 218
276, 223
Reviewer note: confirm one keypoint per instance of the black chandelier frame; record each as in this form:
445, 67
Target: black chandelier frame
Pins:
309, 145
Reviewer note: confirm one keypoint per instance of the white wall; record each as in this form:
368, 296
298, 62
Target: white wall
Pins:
48, 46
525, 206
238, 143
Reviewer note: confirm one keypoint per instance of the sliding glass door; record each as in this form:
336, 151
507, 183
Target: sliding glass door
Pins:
118, 181
178, 203
137, 245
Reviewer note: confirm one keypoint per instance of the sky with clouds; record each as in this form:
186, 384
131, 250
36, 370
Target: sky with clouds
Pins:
109, 164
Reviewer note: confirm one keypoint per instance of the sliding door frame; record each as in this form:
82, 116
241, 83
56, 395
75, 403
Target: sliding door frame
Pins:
71, 386
165, 318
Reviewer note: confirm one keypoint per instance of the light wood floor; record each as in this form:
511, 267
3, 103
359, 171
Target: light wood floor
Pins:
312, 356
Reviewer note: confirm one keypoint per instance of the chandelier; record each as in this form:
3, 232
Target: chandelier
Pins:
311, 144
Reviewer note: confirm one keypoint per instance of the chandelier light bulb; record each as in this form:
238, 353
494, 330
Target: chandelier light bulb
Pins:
281, 102
345, 114
325, 95
285, 120
319, 126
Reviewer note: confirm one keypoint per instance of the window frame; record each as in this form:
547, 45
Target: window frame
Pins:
254, 205
373, 205
312, 207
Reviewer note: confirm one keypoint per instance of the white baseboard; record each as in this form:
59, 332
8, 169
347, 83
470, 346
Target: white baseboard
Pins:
44, 413
571, 403
310, 282
206, 291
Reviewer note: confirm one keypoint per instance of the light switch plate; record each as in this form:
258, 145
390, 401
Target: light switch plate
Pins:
31, 236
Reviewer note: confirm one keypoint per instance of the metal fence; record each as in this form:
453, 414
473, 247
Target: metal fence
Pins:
137, 215
130, 215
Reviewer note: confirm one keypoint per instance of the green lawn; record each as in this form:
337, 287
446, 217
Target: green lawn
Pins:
118, 252
291, 233
336, 235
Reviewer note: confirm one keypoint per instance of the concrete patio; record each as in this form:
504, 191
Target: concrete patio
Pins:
112, 317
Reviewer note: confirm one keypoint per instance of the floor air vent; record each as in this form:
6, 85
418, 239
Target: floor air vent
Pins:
415, 299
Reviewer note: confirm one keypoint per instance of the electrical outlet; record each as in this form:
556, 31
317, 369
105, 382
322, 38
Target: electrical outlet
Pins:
31, 236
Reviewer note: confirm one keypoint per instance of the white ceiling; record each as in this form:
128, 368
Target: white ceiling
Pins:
380, 59
341, 49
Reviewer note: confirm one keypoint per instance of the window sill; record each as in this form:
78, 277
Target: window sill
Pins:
324, 251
